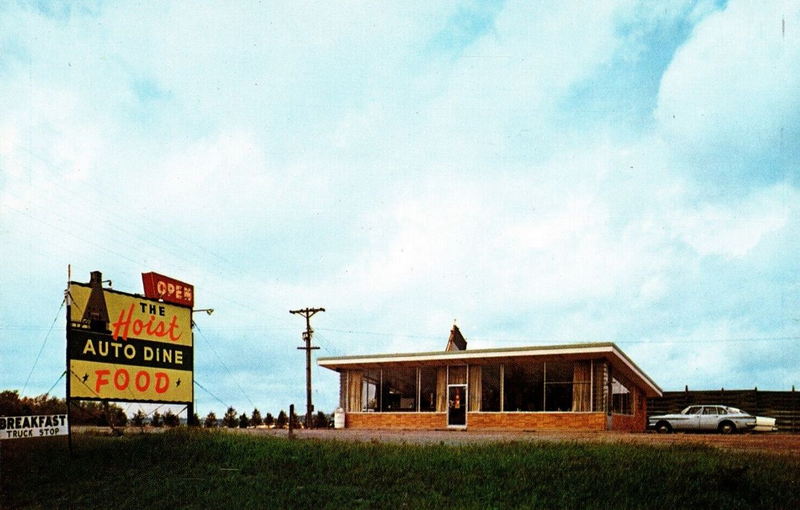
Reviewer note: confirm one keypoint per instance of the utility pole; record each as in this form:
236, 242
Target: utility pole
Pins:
308, 313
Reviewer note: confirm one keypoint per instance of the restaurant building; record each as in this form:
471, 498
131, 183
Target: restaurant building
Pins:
589, 387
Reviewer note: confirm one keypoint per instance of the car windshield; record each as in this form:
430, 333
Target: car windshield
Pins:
692, 410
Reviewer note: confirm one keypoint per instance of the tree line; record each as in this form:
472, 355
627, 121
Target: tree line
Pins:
107, 414
231, 419
102, 414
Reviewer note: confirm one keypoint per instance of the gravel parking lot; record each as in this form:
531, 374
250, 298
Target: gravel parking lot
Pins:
786, 444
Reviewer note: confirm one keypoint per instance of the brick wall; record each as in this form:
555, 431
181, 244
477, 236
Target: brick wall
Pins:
498, 421
421, 421
632, 423
537, 421
628, 423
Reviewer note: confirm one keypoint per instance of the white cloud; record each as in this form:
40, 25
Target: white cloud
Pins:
732, 88
225, 176
734, 229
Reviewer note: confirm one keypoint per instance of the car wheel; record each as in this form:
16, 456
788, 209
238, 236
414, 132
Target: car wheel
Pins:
663, 427
727, 427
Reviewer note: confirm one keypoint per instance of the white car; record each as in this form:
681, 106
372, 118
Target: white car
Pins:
723, 419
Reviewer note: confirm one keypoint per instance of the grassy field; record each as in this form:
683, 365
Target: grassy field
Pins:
200, 469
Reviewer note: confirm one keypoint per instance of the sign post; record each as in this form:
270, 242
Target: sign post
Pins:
68, 297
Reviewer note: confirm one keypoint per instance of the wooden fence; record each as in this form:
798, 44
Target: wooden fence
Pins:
782, 405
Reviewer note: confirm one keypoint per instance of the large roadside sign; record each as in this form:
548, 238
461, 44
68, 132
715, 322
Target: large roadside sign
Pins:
21, 427
126, 347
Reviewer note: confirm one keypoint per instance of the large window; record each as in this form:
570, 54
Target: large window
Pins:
355, 385
399, 391
427, 389
523, 387
621, 397
582, 399
490, 388
370, 390
558, 386
568, 386
457, 375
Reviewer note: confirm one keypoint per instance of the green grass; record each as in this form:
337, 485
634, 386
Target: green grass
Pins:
200, 469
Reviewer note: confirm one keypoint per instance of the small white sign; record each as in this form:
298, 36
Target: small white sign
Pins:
21, 427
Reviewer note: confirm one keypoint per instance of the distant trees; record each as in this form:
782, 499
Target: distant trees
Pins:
321, 420
138, 419
282, 420
11, 404
82, 412
171, 419
109, 414
229, 420
113, 416
232, 419
94, 413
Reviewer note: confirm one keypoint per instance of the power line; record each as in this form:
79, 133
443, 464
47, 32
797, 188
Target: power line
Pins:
207, 391
110, 211
58, 314
518, 341
54, 384
103, 247
328, 345
224, 365
80, 379
154, 238
377, 333
714, 341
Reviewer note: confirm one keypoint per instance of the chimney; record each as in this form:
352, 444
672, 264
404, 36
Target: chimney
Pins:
96, 313
456, 341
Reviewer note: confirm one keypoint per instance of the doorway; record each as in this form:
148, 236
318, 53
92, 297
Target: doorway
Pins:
457, 406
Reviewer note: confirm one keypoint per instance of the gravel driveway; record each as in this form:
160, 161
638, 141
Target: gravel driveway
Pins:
787, 444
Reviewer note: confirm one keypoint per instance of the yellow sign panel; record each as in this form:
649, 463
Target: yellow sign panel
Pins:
91, 380
126, 347
131, 316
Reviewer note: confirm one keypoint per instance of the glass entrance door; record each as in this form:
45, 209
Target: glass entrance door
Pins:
457, 405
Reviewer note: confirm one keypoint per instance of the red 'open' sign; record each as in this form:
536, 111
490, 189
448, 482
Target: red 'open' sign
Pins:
158, 286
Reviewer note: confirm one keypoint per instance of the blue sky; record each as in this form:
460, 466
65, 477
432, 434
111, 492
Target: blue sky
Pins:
541, 172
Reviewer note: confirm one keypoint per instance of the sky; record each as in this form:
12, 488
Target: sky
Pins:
538, 173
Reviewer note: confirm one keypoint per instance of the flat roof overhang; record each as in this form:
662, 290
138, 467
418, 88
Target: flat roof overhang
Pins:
606, 350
